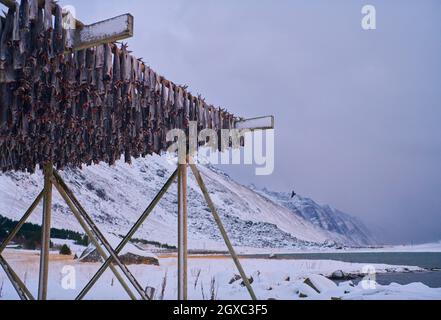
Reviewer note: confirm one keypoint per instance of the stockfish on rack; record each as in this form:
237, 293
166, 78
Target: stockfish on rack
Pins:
83, 107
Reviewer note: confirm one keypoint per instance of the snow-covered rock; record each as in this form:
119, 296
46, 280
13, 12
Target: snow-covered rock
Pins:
394, 291
341, 275
320, 283
129, 255
306, 291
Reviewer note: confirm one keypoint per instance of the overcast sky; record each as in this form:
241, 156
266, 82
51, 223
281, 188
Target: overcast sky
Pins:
357, 112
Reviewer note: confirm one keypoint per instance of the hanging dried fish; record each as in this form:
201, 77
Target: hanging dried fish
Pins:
85, 107
99, 69
179, 108
116, 67
33, 10
25, 34
191, 113
99, 57
168, 97
48, 15
134, 66
216, 119
81, 66
162, 109
70, 71
186, 113
16, 39
134, 81
139, 73
147, 80
203, 114
153, 101
5, 105
58, 31
90, 66
6, 68
108, 63
126, 65
16, 25
24, 12
2, 23
37, 34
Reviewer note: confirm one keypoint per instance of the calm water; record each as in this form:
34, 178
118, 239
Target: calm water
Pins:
431, 279
430, 261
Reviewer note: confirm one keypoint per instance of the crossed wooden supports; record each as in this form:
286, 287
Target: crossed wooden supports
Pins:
104, 249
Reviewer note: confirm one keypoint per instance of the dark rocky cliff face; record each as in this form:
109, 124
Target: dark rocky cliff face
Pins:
325, 217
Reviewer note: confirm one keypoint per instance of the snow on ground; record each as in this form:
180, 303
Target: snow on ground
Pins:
272, 279
413, 291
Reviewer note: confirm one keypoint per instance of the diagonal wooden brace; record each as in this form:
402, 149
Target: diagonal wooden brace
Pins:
129, 236
22, 221
218, 220
96, 233
92, 238
16, 282
88, 36
18, 285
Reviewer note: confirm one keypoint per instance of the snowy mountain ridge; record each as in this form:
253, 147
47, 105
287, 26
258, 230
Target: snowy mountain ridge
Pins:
116, 196
323, 216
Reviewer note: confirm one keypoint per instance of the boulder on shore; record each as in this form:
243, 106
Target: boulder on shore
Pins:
320, 283
130, 255
340, 275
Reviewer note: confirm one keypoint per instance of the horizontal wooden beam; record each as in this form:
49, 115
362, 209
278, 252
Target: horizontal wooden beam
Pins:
260, 123
106, 31
87, 36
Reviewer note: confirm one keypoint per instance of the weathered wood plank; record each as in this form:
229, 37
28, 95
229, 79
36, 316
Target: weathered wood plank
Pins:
87, 36
260, 123
106, 31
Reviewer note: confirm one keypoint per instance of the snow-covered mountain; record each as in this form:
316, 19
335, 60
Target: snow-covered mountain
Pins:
116, 196
352, 229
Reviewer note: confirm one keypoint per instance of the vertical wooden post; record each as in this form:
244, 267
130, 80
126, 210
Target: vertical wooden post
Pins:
182, 232
46, 233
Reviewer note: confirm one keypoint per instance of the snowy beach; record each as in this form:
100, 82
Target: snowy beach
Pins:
215, 277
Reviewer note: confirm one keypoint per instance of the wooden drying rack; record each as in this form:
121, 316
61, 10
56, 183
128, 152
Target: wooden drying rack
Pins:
53, 179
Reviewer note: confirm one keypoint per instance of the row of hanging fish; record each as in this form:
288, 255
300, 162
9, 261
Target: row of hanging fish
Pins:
84, 107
